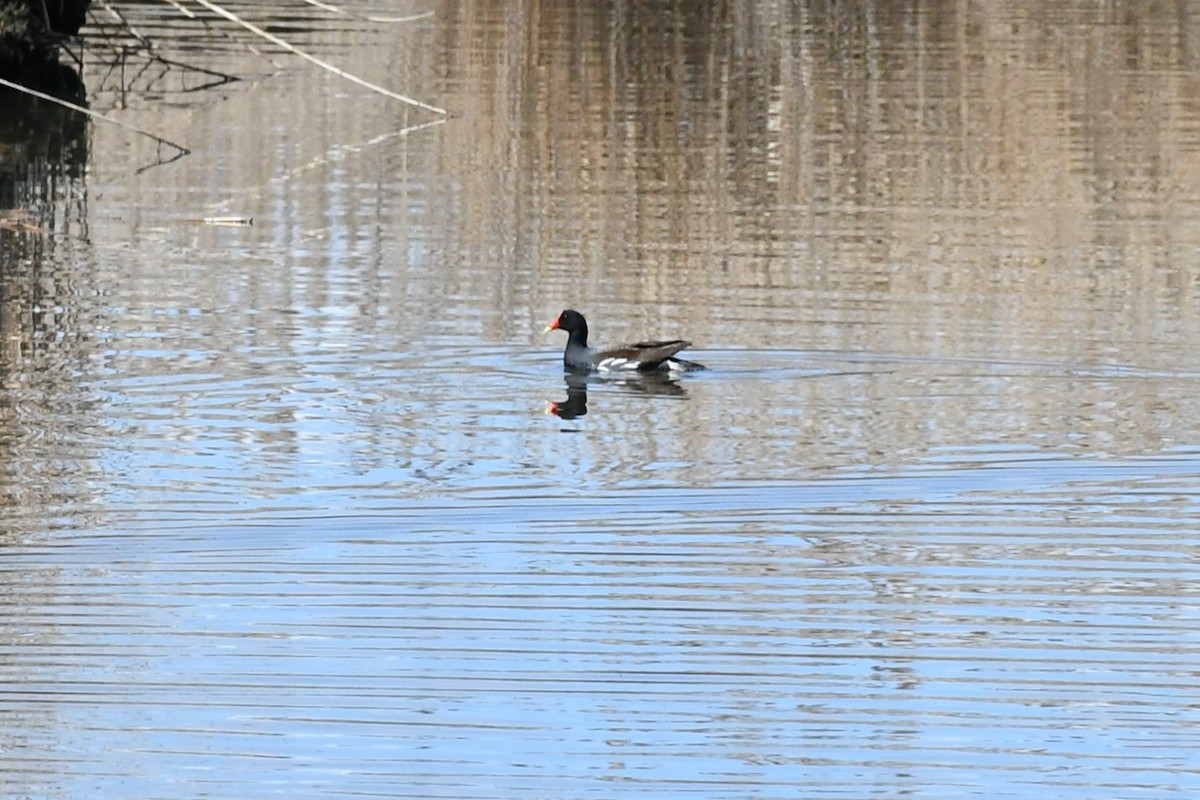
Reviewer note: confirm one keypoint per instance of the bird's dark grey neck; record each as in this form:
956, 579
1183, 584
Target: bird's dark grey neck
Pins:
577, 336
577, 356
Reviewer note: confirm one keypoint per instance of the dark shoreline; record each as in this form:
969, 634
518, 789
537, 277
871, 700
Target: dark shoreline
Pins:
31, 31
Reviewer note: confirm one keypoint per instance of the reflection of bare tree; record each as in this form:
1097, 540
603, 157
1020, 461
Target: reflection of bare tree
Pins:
43, 344
43, 152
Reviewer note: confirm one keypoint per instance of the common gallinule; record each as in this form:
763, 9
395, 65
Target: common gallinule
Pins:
640, 356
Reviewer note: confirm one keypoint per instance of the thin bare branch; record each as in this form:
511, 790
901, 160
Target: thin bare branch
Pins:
187, 12
369, 17
120, 18
324, 6
273, 39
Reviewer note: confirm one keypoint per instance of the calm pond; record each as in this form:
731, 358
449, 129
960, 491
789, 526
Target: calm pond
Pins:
285, 514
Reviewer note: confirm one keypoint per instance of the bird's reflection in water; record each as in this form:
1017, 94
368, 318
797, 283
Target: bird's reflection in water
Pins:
647, 383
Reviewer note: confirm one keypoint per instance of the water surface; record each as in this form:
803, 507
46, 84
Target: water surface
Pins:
285, 513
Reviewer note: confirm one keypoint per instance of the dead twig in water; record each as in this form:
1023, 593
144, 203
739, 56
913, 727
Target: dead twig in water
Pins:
182, 151
19, 220
231, 221
275, 40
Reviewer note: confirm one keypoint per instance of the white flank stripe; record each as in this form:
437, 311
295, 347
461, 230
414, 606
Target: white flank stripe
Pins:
614, 364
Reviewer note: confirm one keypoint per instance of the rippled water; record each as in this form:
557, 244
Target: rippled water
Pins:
307, 507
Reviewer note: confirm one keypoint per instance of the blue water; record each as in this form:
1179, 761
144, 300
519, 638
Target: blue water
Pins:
286, 513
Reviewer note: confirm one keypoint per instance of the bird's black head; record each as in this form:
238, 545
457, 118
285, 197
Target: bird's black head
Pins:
572, 322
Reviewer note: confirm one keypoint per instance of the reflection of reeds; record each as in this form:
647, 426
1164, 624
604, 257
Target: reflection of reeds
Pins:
841, 158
